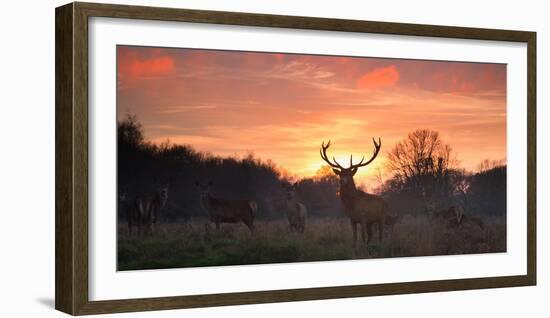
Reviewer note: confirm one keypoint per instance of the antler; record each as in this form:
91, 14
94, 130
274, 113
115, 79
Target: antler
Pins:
323, 152
374, 154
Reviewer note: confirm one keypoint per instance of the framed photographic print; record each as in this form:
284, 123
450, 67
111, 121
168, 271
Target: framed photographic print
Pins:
219, 158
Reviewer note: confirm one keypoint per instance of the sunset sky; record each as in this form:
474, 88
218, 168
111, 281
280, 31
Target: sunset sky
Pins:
281, 106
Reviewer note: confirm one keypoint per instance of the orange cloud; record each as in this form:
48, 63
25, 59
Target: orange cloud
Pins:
154, 66
134, 66
378, 78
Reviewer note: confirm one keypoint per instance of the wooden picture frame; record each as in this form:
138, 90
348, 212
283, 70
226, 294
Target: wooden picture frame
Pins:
71, 269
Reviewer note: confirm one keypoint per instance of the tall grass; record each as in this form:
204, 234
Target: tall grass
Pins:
196, 243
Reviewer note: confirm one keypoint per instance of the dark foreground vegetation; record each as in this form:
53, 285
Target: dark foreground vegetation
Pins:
194, 243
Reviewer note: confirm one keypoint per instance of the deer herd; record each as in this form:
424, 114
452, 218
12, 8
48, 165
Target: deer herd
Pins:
364, 210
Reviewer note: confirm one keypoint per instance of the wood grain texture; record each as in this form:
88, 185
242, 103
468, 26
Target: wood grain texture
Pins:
297, 22
80, 144
64, 235
165, 303
532, 158
72, 157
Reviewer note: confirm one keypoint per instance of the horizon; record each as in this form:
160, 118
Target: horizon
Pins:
283, 106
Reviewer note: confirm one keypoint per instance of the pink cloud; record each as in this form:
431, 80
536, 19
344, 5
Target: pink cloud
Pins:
131, 65
379, 78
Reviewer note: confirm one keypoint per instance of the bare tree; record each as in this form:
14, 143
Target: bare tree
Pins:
422, 162
421, 152
487, 165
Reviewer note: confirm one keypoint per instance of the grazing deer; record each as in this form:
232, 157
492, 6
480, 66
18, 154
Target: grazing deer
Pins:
227, 211
362, 208
453, 214
474, 219
145, 209
296, 211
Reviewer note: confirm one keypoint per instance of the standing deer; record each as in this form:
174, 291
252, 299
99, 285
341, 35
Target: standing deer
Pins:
391, 221
124, 205
227, 211
362, 208
296, 211
145, 209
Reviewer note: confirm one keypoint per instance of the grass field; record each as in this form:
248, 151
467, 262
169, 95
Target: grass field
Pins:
196, 243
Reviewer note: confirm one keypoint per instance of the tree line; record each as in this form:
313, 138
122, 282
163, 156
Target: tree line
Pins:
423, 176
426, 177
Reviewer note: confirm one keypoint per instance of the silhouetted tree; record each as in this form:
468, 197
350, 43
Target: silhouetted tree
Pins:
422, 166
130, 131
141, 163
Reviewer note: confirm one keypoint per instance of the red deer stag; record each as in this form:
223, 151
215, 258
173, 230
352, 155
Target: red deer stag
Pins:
227, 211
296, 211
143, 212
362, 208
